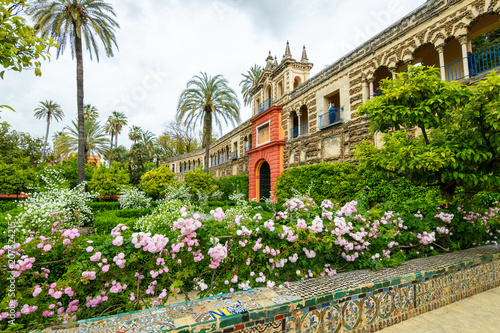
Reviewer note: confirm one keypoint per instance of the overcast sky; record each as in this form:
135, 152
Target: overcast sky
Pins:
164, 43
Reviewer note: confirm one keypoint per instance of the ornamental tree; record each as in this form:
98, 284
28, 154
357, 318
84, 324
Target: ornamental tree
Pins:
108, 181
459, 143
156, 181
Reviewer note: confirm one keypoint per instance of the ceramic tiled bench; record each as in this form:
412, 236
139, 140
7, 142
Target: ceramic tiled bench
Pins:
360, 301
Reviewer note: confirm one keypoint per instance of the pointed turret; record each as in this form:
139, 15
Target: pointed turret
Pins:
288, 54
275, 63
304, 55
269, 62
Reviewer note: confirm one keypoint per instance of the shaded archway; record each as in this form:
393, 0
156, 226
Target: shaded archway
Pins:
264, 181
296, 82
427, 55
380, 74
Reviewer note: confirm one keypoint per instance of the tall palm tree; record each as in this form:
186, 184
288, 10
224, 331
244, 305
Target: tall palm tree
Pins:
135, 133
90, 112
72, 22
249, 80
208, 99
115, 124
95, 140
49, 110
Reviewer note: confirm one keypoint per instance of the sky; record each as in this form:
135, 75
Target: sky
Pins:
164, 43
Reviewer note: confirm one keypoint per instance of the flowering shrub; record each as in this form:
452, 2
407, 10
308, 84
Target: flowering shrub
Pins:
39, 208
178, 193
66, 277
133, 198
161, 219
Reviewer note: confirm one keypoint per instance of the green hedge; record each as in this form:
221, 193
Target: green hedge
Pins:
229, 185
338, 182
103, 206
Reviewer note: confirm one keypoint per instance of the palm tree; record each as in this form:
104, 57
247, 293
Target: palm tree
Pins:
95, 140
115, 124
135, 133
249, 80
48, 109
71, 22
90, 112
208, 99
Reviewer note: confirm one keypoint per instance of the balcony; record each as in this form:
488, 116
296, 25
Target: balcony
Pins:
266, 105
299, 130
234, 155
478, 62
248, 147
330, 118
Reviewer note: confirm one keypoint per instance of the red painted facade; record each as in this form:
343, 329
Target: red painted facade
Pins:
270, 151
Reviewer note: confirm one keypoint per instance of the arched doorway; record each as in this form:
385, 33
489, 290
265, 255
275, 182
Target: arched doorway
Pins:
264, 181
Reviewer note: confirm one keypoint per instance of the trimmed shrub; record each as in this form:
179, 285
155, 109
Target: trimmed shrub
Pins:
108, 181
229, 185
155, 182
98, 207
198, 181
338, 182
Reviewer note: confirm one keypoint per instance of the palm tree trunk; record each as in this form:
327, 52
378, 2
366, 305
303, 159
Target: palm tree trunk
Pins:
208, 135
45, 141
116, 140
81, 120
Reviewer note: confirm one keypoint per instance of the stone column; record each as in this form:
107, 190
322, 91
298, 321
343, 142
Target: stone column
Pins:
393, 71
298, 122
463, 42
365, 91
408, 62
440, 50
370, 82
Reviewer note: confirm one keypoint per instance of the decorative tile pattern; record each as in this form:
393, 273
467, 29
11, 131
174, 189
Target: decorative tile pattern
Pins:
361, 301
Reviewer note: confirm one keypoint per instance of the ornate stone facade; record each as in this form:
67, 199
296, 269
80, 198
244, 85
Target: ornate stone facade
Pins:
438, 33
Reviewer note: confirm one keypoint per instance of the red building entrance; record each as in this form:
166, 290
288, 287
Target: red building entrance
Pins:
265, 160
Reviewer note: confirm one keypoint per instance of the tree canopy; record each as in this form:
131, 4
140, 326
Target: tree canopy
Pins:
459, 143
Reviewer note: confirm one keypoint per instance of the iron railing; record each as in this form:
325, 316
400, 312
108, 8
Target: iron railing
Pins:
330, 118
484, 60
478, 62
455, 70
266, 105
234, 155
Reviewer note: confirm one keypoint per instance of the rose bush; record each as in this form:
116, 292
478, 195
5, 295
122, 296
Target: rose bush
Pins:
62, 276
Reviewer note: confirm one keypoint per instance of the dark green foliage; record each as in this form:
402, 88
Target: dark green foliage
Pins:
7, 205
198, 180
133, 213
68, 170
105, 221
225, 203
231, 184
156, 181
17, 177
486, 41
378, 188
108, 181
338, 182
15, 145
98, 207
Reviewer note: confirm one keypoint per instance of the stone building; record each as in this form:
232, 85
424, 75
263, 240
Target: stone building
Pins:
291, 124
